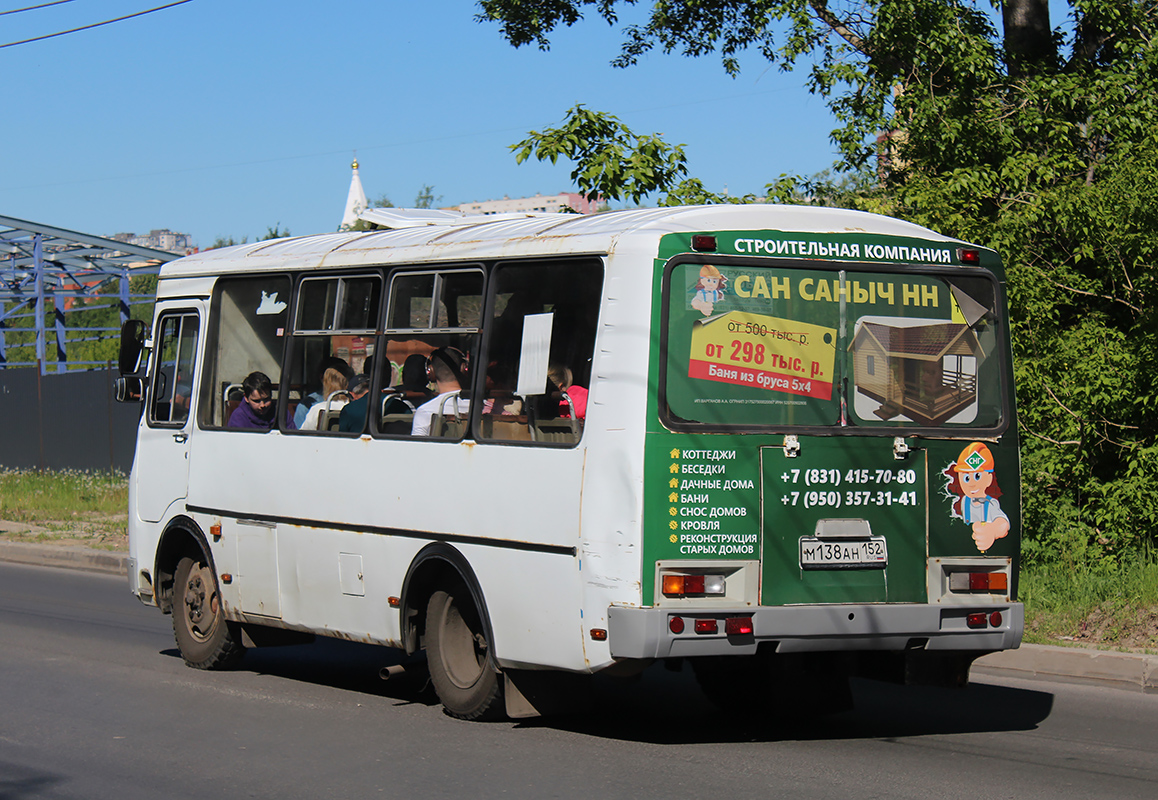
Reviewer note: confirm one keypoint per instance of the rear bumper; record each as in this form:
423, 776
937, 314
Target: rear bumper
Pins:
646, 632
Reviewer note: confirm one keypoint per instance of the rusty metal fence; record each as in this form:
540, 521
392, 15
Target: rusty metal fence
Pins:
65, 421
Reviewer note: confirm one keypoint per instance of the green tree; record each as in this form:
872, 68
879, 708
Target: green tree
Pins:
611, 161
226, 241
274, 233
1037, 141
425, 198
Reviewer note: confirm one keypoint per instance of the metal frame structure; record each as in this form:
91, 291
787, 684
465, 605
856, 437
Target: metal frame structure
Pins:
42, 263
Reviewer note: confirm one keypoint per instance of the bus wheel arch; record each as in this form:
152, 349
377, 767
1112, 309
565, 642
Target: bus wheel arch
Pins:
191, 593
182, 539
443, 609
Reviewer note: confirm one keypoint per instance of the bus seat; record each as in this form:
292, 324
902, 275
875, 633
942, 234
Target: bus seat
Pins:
330, 417
397, 424
506, 427
558, 430
452, 425
231, 396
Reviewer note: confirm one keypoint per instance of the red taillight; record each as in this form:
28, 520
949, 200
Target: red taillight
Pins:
975, 620
995, 619
703, 243
969, 256
991, 582
680, 585
734, 626
676, 624
707, 626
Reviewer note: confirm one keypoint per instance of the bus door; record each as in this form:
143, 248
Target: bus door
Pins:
161, 464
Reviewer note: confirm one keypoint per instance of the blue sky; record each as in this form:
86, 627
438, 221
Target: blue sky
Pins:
226, 117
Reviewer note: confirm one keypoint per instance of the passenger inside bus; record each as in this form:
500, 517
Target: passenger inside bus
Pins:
353, 416
319, 394
415, 385
572, 397
335, 395
258, 410
447, 367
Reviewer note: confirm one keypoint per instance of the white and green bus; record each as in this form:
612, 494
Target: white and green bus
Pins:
765, 439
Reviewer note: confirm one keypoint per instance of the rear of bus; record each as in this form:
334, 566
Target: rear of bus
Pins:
831, 463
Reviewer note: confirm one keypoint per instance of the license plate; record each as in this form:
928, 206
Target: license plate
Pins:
868, 553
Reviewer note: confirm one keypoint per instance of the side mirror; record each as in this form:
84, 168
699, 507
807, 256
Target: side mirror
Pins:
128, 389
132, 344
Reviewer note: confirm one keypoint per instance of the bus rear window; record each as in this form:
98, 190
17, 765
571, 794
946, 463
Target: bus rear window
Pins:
752, 347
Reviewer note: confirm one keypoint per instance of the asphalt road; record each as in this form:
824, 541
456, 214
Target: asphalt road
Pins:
96, 703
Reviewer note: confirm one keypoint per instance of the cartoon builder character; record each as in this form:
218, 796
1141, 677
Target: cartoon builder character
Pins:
709, 290
971, 479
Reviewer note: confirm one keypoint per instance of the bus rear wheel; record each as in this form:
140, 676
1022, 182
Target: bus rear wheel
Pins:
458, 655
204, 637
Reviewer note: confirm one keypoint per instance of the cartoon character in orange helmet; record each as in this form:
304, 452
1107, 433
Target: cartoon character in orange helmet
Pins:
709, 290
972, 481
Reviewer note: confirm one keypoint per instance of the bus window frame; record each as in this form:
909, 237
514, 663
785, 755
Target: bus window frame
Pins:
373, 271
341, 276
381, 376
212, 335
485, 341
436, 294
151, 401
1000, 319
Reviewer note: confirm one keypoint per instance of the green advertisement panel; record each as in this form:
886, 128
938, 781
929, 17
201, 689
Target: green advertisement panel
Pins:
756, 346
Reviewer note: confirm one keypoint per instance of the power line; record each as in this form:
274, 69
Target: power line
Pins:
33, 8
94, 25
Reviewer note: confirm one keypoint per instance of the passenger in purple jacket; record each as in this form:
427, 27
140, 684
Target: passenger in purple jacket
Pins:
257, 407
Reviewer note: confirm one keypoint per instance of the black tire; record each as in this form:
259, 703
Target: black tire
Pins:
204, 637
458, 654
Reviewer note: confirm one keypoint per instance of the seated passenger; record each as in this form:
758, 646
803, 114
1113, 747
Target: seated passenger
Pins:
307, 402
258, 409
415, 385
561, 377
500, 395
446, 367
353, 416
334, 388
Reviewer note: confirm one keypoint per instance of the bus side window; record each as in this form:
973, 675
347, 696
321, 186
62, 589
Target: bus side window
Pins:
172, 387
430, 310
539, 350
246, 332
333, 341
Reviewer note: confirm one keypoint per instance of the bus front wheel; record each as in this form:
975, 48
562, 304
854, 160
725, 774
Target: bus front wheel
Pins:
457, 653
204, 637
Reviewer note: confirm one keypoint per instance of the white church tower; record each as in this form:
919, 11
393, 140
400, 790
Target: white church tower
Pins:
355, 200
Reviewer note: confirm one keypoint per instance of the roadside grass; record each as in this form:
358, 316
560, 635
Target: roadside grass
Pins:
68, 504
1116, 607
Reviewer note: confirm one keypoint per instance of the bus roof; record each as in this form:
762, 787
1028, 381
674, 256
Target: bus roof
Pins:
443, 238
